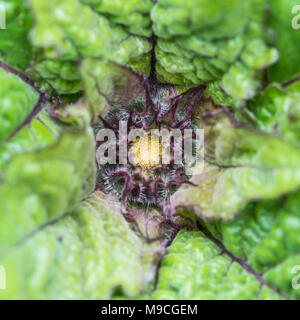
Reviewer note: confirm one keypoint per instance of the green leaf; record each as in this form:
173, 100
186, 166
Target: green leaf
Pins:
40, 132
287, 40
277, 111
240, 83
266, 235
217, 63
41, 186
245, 165
202, 41
26, 125
250, 258
15, 47
89, 254
134, 16
124, 38
18, 100
195, 268
62, 76
75, 30
108, 84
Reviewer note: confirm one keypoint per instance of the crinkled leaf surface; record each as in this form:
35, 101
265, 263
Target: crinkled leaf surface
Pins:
18, 100
25, 125
250, 258
287, 40
42, 131
201, 41
85, 255
76, 24
110, 85
57, 241
124, 37
277, 111
15, 47
41, 186
245, 165
195, 41
60, 76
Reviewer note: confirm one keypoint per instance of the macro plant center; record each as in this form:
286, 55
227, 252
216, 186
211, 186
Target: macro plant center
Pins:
156, 127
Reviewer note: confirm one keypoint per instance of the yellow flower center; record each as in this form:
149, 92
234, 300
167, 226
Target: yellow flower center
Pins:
146, 151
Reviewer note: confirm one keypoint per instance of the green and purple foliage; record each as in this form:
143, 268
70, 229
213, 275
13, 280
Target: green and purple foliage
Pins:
71, 228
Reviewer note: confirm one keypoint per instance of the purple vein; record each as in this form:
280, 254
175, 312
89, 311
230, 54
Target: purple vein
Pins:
19, 74
242, 262
290, 82
44, 97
